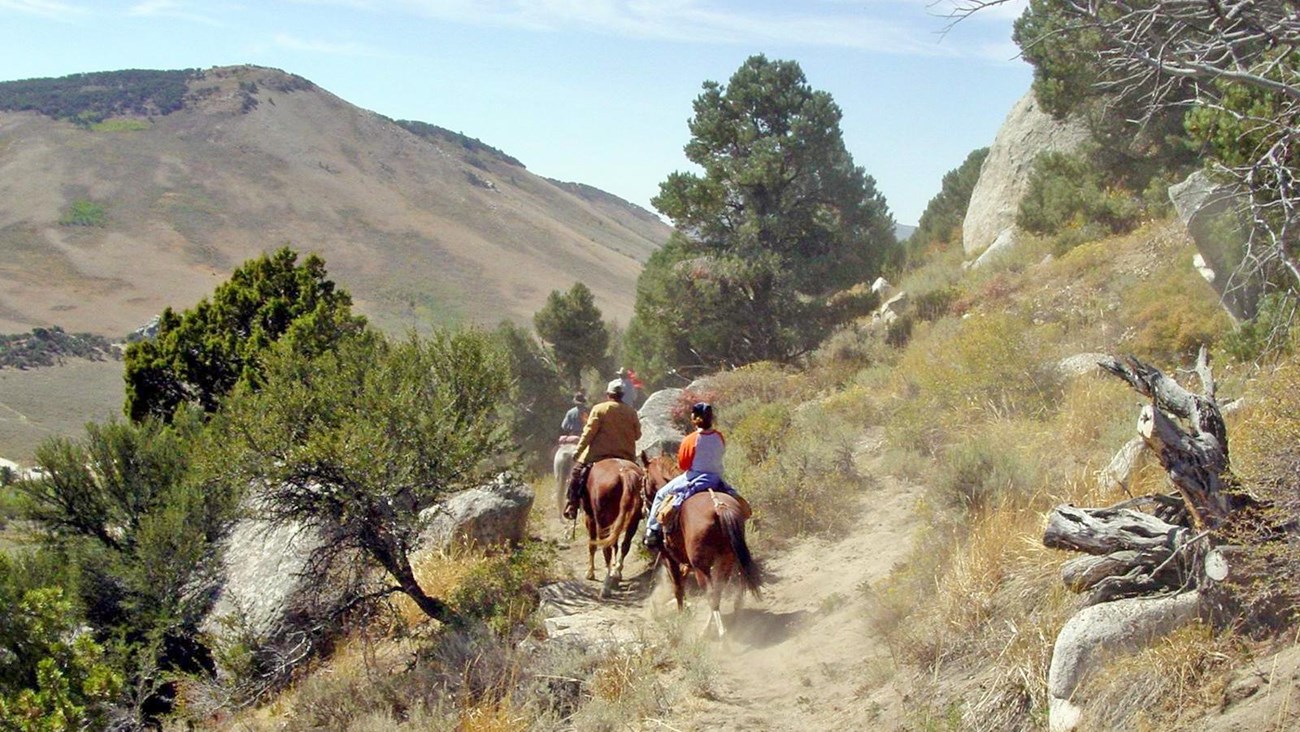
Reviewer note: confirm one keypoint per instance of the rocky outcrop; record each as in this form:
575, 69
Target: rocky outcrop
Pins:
1081, 364
659, 434
272, 599
485, 516
1004, 176
1208, 210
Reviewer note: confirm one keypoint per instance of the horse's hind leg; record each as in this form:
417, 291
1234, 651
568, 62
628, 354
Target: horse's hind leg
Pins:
621, 556
679, 581
591, 548
713, 586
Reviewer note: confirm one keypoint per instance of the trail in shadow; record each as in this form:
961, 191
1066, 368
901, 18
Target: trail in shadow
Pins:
763, 628
579, 595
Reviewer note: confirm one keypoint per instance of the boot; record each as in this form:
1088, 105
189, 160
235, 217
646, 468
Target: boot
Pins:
577, 483
654, 539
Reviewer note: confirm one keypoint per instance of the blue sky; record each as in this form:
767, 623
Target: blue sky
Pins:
594, 91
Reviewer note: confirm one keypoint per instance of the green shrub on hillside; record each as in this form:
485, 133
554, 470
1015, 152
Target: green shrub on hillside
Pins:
1069, 193
56, 678
1268, 333
971, 371
84, 213
805, 481
979, 474
503, 590
1170, 316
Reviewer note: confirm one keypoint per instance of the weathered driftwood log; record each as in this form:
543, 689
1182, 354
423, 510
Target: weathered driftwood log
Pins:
1106, 530
1195, 461
1138, 552
1131, 553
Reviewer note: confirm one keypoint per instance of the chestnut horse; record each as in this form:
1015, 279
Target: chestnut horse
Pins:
610, 508
709, 540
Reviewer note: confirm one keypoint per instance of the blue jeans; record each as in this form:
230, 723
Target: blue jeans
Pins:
688, 483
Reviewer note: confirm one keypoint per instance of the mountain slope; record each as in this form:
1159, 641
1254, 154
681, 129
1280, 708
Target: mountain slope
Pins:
420, 228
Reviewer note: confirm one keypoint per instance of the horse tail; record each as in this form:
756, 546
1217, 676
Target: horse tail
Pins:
733, 525
614, 531
624, 517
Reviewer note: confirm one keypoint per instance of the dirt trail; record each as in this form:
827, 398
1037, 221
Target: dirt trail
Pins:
805, 656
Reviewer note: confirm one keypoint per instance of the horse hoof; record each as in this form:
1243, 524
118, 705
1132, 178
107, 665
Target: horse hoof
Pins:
591, 575
607, 588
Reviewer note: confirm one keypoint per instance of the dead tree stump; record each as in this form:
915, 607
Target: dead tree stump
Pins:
1162, 548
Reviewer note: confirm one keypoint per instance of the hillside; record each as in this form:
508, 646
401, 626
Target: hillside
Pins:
122, 204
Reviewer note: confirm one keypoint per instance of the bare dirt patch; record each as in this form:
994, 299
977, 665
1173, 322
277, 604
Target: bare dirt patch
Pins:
39, 403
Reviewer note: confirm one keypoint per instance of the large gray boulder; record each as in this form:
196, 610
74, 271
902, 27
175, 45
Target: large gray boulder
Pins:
265, 578
658, 433
1004, 176
1208, 210
270, 599
496, 513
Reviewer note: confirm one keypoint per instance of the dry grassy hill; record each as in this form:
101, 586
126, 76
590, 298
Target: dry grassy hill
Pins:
420, 228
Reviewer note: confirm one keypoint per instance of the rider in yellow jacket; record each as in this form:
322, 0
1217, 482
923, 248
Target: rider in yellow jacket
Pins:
611, 431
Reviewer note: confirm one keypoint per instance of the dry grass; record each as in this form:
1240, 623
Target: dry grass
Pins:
1154, 689
978, 607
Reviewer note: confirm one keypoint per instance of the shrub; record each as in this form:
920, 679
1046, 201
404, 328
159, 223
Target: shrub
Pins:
1069, 191
1269, 332
993, 366
759, 433
899, 331
54, 676
806, 482
1167, 324
502, 590
980, 474
84, 213
935, 304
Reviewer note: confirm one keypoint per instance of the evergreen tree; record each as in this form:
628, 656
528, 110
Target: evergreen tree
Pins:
124, 508
538, 397
941, 222
199, 355
571, 323
780, 221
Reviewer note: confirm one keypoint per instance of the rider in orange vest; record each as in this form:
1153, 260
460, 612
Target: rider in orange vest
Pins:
700, 458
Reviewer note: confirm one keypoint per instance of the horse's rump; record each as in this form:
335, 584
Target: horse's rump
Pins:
614, 496
713, 525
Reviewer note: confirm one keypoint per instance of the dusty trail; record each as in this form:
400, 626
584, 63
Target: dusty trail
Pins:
805, 656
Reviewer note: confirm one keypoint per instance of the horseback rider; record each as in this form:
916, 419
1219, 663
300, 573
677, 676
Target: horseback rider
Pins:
631, 386
575, 418
700, 458
611, 431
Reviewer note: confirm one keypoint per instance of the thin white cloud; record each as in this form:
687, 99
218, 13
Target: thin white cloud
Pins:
332, 48
170, 9
52, 9
905, 27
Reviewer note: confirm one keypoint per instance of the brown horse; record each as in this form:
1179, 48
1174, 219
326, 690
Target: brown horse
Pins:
709, 540
610, 508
